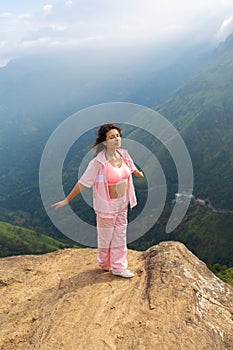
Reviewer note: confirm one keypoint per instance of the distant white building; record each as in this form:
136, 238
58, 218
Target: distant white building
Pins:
200, 201
183, 196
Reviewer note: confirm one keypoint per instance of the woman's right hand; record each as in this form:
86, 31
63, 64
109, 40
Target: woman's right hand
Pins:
59, 204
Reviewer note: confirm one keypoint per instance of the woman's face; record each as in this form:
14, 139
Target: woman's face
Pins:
113, 139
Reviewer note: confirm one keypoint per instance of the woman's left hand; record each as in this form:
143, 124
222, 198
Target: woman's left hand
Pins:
138, 173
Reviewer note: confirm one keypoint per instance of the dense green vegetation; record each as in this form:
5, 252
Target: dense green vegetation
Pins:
223, 272
202, 110
206, 233
15, 240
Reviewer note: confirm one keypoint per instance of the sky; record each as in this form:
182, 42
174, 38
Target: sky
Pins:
31, 27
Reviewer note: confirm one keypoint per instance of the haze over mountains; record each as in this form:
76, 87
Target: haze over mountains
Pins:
37, 93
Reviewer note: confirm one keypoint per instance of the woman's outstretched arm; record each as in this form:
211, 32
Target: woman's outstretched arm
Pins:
74, 193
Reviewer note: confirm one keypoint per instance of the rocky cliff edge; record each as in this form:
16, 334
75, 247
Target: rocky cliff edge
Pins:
62, 300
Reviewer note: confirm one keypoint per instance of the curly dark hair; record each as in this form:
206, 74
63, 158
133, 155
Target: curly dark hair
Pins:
101, 135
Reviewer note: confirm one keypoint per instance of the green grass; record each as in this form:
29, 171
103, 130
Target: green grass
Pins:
15, 240
208, 235
223, 272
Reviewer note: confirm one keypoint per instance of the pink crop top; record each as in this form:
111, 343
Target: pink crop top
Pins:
117, 175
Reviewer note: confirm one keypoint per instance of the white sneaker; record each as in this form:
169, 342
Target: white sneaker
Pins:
125, 274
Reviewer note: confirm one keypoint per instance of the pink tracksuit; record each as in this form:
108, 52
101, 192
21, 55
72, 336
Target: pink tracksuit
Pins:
111, 213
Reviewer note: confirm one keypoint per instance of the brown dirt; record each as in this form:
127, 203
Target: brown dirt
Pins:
62, 300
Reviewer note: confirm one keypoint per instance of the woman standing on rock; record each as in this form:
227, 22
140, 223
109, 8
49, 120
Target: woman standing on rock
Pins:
110, 176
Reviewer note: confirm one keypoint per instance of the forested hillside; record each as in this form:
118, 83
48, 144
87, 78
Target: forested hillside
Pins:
202, 110
15, 240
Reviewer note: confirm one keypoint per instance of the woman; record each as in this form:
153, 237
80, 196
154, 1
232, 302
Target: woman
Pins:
110, 176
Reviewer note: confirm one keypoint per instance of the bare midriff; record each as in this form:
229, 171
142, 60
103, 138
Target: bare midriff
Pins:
118, 190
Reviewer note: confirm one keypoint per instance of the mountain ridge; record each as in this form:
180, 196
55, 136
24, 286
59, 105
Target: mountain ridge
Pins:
202, 111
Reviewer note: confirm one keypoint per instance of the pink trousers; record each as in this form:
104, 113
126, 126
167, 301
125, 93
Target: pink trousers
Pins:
112, 245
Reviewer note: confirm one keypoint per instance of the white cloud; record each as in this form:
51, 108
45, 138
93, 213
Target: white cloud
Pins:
58, 27
227, 21
5, 15
68, 2
50, 42
26, 16
4, 62
48, 9
225, 29
143, 24
41, 42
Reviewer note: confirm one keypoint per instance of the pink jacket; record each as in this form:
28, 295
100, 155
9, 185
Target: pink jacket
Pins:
95, 176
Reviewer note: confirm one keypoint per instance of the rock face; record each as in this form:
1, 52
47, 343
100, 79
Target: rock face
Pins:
62, 300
